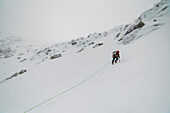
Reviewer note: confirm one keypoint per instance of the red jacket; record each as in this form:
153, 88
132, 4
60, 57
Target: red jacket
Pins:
117, 52
115, 55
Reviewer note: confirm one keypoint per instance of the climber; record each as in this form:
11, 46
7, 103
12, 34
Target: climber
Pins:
115, 56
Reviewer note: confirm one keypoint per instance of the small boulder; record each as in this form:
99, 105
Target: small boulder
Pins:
73, 42
23, 60
154, 20
55, 56
22, 71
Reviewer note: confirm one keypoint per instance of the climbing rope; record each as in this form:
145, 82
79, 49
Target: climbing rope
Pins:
68, 89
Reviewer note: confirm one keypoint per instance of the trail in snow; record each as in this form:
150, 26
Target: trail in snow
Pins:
69, 88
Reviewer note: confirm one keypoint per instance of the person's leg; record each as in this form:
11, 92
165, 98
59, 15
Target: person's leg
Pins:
113, 60
116, 59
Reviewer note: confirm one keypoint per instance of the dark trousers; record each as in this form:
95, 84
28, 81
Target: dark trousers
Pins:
114, 59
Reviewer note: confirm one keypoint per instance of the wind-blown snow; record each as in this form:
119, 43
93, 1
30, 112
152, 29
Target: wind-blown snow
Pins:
138, 84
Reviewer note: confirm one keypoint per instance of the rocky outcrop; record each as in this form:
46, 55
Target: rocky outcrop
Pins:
134, 27
14, 75
55, 56
97, 45
73, 42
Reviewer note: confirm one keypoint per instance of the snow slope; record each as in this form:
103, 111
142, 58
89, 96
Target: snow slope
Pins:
86, 82
17, 54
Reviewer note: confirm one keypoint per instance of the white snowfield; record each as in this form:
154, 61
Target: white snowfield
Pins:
87, 82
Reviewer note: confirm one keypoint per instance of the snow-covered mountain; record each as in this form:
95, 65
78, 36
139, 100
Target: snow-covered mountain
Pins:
23, 54
77, 76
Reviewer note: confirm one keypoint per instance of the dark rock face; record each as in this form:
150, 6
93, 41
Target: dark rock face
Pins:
130, 31
139, 25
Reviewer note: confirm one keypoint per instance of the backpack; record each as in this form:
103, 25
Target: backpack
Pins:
114, 54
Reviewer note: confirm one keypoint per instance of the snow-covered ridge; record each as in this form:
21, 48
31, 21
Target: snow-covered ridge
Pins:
147, 22
73, 46
21, 54
14, 45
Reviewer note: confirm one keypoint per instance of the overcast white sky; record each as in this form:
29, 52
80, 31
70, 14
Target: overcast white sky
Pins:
63, 20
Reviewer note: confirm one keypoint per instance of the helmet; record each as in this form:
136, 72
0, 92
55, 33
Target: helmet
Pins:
118, 51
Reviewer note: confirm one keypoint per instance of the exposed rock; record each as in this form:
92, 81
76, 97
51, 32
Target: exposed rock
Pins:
49, 50
132, 28
88, 35
16, 74
157, 5
22, 71
91, 43
164, 8
39, 52
80, 50
120, 39
19, 58
154, 20
73, 42
118, 35
21, 54
159, 24
55, 56
97, 45
23, 60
